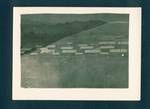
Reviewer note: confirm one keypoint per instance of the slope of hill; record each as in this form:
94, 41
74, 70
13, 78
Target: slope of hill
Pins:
109, 31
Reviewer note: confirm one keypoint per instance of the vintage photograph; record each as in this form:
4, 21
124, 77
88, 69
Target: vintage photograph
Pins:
77, 49
74, 50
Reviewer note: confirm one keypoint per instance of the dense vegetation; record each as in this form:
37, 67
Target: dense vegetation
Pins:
39, 34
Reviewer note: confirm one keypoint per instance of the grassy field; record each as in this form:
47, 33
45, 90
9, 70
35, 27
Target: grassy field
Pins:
105, 32
72, 71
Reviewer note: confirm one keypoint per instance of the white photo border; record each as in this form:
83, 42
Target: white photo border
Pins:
132, 93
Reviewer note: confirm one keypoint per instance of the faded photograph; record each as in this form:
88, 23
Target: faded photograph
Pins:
74, 50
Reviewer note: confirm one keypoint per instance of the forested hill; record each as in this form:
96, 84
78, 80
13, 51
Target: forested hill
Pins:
39, 33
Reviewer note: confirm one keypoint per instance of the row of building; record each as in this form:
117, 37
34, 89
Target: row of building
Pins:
79, 49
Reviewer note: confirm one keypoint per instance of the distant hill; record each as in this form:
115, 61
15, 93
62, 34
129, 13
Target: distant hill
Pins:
67, 18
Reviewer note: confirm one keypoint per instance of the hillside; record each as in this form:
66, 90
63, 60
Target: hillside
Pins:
109, 31
42, 29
